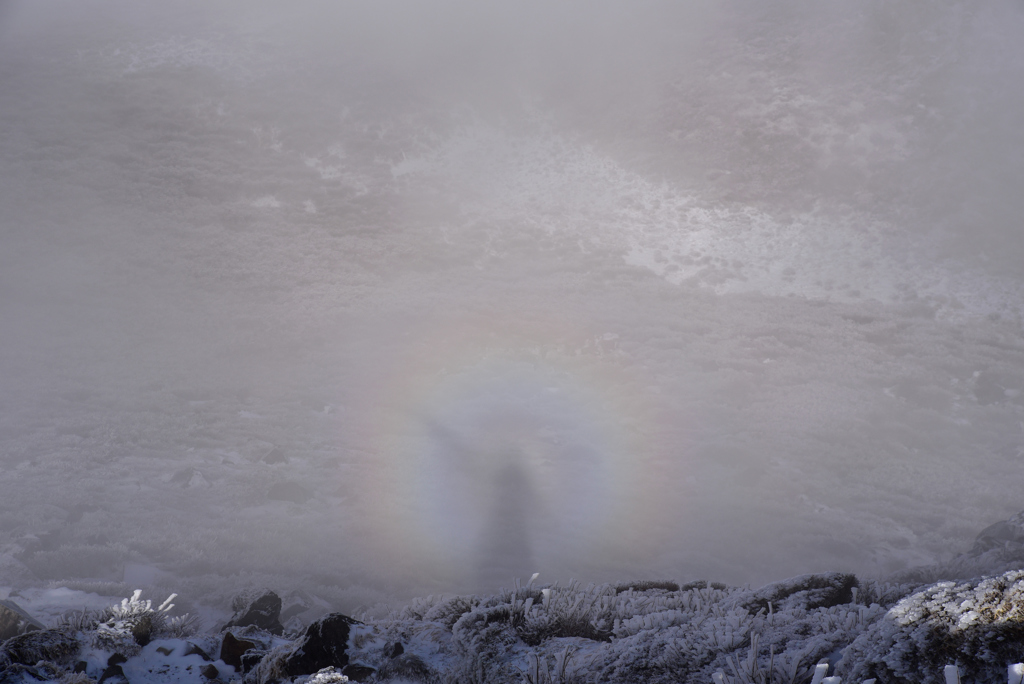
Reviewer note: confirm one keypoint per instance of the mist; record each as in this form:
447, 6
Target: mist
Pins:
383, 299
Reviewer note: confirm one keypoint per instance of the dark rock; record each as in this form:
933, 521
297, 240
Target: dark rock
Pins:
263, 611
976, 624
231, 649
166, 651
806, 591
358, 673
195, 650
209, 671
116, 659
113, 674
394, 650
55, 645
250, 659
81, 666
324, 644
15, 621
288, 491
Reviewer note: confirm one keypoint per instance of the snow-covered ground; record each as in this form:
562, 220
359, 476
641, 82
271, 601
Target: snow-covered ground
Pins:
373, 325
794, 631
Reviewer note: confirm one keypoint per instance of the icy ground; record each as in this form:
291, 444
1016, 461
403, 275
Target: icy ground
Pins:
276, 316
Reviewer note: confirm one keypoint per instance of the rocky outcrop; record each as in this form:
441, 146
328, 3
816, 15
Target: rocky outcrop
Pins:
15, 621
52, 645
114, 674
977, 625
232, 649
262, 610
325, 644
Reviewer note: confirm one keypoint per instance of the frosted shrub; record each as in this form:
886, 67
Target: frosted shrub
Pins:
134, 622
569, 612
449, 612
182, 626
542, 671
79, 620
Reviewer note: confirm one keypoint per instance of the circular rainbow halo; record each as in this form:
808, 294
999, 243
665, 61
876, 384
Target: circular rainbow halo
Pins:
495, 462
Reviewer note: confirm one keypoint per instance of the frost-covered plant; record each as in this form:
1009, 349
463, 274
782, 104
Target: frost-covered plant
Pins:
786, 670
182, 626
540, 671
749, 670
449, 611
79, 620
134, 608
476, 667
569, 612
134, 622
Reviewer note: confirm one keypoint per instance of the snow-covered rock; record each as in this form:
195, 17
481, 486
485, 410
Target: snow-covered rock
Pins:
15, 621
977, 625
52, 645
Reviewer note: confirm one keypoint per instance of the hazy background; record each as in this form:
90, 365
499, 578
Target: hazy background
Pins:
379, 299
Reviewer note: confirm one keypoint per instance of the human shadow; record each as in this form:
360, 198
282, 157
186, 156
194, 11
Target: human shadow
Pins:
502, 549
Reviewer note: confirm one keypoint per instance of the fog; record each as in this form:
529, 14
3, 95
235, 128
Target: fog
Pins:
377, 299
